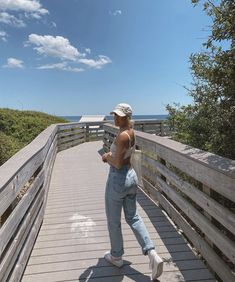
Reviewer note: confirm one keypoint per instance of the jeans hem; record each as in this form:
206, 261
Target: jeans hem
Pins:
145, 251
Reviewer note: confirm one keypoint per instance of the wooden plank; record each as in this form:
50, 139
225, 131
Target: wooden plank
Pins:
198, 164
23, 257
16, 172
70, 144
210, 169
10, 192
69, 126
213, 233
68, 234
201, 245
169, 252
48, 168
77, 241
111, 271
12, 223
72, 132
137, 261
76, 137
219, 212
26, 250
9, 259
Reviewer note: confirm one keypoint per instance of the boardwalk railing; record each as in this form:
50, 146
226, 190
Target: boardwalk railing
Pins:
29, 169
24, 183
197, 190
167, 167
74, 133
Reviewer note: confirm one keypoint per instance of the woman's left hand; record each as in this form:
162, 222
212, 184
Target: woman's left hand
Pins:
104, 157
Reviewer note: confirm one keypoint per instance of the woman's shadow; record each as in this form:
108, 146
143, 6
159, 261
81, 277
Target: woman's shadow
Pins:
104, 270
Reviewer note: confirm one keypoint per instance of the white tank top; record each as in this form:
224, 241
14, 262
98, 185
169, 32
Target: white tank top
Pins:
113, 147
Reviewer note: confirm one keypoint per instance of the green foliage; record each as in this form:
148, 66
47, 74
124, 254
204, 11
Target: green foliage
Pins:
19, 128
209, 123
8, 147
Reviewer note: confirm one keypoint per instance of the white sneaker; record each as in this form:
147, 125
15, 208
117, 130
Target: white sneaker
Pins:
117, 261
155, 263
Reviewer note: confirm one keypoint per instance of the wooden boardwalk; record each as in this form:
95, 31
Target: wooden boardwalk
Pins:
74, 237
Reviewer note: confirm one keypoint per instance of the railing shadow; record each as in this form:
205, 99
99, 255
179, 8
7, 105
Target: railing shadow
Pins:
103, 270
176, 245
101, 151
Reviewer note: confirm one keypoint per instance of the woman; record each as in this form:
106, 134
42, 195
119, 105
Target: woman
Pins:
121, 189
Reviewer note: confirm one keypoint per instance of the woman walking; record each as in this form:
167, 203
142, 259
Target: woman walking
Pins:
121, 189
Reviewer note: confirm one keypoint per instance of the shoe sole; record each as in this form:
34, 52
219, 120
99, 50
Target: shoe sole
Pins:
159, 270
113, 261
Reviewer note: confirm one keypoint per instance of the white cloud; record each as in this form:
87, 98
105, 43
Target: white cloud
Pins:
3, 36
14, 63
57, 46
61, 66
60, 47
11, 20
31, 7
96, 64
115, 13
22, 9
88, 50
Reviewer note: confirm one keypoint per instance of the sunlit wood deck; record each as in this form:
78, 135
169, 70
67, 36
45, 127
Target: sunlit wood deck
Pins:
74, 237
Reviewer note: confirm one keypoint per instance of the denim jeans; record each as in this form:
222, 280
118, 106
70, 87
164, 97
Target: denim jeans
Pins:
120, 192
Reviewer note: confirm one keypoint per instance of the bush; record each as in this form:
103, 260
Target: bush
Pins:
19, 128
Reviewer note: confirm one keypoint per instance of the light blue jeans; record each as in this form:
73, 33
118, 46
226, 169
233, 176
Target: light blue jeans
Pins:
120, 192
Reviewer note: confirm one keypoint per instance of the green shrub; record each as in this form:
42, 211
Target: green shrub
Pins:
19, 128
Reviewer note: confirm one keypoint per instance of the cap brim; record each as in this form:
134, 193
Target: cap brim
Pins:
119, 113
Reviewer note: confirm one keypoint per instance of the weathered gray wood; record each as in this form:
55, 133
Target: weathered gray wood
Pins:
70, 144
202, 246
72, 132
73, 241
24, 255
202, 166
10, 226
36, 153
48, 166
219, 212
11, 256
213, 233
68, 126
48, 153
77, 137
210, 169
16, 172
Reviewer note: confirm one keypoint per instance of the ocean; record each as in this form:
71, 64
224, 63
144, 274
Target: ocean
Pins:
135, 117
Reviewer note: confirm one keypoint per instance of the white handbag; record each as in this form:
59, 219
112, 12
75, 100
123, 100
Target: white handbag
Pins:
136, 162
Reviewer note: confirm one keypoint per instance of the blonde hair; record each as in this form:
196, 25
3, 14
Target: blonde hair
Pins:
130, 121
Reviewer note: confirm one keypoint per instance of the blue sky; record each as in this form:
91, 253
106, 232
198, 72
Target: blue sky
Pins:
79, 57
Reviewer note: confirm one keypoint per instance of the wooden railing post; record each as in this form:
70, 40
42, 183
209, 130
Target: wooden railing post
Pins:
87, 133
162, 128
207, 191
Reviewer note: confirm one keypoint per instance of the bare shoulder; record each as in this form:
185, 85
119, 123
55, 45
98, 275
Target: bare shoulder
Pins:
123, 137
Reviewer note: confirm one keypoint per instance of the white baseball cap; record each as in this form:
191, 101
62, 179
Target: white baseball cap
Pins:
122, 110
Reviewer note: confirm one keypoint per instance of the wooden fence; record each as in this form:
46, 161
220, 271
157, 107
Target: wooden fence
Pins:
196, 189
24, 183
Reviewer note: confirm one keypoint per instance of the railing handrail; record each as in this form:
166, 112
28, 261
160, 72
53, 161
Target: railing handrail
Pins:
221, 164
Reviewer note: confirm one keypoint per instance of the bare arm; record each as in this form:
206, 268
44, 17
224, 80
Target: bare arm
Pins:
122, 143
